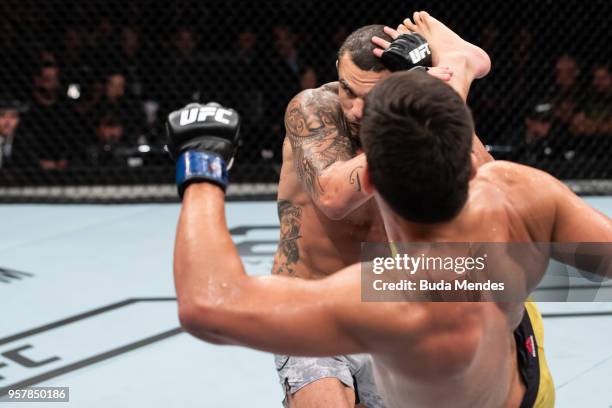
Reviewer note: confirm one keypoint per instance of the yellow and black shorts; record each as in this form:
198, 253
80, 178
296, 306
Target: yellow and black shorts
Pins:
529, 336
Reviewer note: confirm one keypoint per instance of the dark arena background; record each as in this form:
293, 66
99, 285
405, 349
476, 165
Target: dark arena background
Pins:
90, 84
89, 206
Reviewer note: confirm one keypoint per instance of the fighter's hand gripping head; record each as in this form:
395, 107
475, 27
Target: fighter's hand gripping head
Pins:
203, 140
406, 52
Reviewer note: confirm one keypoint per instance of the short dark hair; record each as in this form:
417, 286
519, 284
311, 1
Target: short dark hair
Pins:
417, 136
360, 48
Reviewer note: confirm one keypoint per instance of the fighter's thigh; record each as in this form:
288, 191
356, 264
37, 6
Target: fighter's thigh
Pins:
323, 393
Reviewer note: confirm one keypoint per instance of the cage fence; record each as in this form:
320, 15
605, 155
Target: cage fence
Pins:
86, 86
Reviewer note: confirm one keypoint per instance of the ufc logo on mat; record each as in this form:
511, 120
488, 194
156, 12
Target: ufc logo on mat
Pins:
201, 114
420, 53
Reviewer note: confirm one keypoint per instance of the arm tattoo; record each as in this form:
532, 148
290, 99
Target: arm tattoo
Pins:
288, 253
318, 134
354, 178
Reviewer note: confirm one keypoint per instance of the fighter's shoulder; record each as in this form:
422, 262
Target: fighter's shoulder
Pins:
526, 189
511, 175
324, 97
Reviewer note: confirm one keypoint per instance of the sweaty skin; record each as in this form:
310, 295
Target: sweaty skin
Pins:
323, 211
424, 353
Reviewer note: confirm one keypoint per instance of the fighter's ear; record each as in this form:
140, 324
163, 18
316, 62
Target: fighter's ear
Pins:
366, 181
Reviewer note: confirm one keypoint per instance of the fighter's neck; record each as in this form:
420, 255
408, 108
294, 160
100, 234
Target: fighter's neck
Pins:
406, 231
401, 230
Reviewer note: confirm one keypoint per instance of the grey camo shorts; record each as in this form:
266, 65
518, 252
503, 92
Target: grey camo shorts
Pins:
354, 371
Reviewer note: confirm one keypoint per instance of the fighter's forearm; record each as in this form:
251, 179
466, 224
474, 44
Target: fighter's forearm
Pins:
341, 187
207, 268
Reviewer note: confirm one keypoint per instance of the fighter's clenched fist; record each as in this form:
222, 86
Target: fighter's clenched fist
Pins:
203, 140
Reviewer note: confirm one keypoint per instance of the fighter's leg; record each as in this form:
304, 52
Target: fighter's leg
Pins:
466, 61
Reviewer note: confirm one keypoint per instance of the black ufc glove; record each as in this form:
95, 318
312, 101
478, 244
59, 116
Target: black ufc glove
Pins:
407, 52
203, 141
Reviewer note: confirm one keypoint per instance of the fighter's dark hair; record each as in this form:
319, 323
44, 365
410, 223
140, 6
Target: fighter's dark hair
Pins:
360, 48
417, 136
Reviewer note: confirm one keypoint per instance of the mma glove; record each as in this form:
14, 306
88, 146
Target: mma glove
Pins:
203, 140
408, 51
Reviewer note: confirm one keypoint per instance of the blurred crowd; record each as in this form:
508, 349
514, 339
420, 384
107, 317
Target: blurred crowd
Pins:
102, 96
98, 95
564, 114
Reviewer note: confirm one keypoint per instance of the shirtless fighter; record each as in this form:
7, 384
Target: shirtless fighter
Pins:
324, 212
417, 136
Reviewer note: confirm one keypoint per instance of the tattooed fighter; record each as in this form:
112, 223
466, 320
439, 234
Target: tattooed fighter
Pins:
425, 354
324, 212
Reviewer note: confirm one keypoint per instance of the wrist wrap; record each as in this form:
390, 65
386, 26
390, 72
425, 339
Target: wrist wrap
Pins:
194, 166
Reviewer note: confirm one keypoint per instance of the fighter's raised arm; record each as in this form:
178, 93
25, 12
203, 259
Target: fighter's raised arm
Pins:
556, 213
323, 152
220, 303
575, 220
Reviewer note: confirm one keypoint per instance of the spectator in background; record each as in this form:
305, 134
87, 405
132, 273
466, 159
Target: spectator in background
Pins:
286, 51
141, 81
592, 124
308, 78
565, 95
242, 67
72, 62
122, 105
80, 73
130, 57
43, 56
181, 72
539, 123
283, 79
111, 145
109, 130
542, 137
566, 75
110, 136
246, 64
48, 120
246, 46
595, 119
13, 150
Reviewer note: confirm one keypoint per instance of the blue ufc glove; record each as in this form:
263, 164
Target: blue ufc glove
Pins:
203, 140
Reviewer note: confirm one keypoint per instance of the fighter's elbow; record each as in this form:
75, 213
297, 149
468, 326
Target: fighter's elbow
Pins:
333, 208
201, 320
